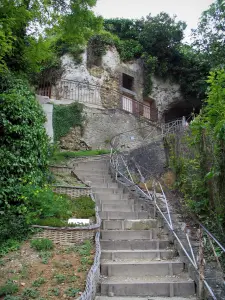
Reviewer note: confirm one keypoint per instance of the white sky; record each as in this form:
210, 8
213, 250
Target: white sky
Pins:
186, 10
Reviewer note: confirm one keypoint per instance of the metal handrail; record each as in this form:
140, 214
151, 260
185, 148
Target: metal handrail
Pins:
114, 161
90, 93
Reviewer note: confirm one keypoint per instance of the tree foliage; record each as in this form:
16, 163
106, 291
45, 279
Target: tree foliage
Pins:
29, 30
209, 36
199, 161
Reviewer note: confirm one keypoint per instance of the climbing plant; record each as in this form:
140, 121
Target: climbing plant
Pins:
66, 117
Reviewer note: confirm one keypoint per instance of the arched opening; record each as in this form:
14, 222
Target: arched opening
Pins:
182, 109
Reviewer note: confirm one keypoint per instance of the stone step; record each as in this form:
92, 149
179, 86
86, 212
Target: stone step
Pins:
135, 244
117, 207
143, 224
148, 286
115, 215
135, 268
132, 234
109, 196
143, 298
137, 254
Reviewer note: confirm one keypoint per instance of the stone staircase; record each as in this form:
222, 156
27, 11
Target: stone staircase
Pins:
137, 261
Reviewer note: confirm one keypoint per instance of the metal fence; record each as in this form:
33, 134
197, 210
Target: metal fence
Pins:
124, 174
95, 94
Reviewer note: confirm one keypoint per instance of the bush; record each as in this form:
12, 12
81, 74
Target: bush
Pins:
24, 145
13, 226
84, 207
42, 244
51, 209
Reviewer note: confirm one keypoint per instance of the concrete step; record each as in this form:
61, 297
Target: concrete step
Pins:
143, 298
138, 254
114, 215
135, 244
143, 224
117, 207
148, 286
112, 202
110, 196
135, 268
106, 190
92, 170
96, 179
113, 185
132, 234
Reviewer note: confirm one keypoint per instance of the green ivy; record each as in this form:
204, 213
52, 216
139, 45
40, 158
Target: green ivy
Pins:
66, 117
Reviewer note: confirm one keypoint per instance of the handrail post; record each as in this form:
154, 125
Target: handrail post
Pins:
201, 265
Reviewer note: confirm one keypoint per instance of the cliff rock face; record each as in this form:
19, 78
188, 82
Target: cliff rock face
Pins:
99, 84
166, 94
107, 80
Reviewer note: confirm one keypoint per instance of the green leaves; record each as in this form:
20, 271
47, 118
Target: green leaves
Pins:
66, 117
24, 144
209, 36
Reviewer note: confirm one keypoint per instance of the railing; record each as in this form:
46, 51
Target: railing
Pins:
96, 94
123, 174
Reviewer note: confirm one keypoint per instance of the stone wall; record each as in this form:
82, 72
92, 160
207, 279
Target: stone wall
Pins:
73, 140
103, 125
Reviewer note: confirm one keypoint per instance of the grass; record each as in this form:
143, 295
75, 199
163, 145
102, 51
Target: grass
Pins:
8, 289
42, 244
59, 157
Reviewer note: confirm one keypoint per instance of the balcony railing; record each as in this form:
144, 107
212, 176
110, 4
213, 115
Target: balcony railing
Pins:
87, 93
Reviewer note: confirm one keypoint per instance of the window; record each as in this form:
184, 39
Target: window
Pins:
128, 82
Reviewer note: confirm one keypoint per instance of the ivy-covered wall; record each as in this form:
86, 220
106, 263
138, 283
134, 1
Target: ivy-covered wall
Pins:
66, 117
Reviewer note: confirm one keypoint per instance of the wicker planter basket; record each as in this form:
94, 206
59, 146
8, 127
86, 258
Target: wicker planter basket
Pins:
67, 235
60, 169
72, 191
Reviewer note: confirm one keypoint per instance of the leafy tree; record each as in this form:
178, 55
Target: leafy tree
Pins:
125, 29
21, 23
161, 38
209, 36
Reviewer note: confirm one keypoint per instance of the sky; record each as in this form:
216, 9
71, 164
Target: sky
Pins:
186, 10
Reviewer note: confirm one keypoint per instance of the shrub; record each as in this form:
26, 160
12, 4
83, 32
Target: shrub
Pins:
13, 226
42, 244
84, 207
24, 145
52, 209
